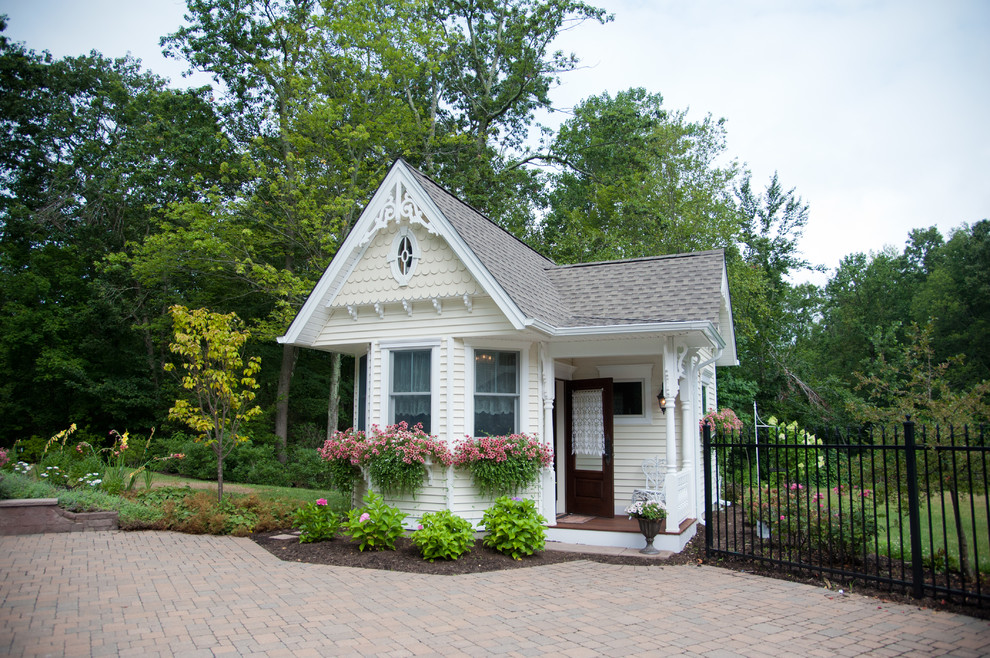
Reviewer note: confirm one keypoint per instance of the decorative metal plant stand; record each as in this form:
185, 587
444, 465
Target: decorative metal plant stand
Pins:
650, 529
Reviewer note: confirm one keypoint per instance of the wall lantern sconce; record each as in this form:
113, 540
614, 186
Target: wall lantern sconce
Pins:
662, 400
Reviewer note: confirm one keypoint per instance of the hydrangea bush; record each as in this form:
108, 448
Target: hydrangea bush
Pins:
514, 527
316, 522
443, 536
376, 525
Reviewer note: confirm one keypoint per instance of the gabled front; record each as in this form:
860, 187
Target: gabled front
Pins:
402, 258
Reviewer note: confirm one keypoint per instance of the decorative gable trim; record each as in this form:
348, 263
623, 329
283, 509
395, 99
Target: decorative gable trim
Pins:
398, 205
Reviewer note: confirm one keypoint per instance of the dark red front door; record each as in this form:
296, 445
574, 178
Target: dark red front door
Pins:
589, 478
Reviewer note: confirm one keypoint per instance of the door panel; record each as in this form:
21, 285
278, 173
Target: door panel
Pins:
589, 478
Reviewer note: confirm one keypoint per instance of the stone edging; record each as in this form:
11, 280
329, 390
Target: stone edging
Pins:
26, 516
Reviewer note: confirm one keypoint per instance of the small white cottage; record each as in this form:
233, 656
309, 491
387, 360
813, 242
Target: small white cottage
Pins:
460, 326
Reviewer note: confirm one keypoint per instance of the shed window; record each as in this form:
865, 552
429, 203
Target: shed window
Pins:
496, 392
627, 398
410, 393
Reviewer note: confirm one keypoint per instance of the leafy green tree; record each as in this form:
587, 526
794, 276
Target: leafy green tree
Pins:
91, 149
915, 384
637, 180
210, 348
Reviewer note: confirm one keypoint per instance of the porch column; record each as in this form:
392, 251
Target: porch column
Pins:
689, 424
548, 389
670, 393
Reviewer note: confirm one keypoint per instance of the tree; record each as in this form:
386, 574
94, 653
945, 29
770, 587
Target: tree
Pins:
637, 180
90, 150
915, 384
210, 347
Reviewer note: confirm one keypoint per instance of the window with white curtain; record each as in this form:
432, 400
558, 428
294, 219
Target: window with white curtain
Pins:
496, 392
410, 394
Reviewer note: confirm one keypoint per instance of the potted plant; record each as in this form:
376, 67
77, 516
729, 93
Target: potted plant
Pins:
651, 516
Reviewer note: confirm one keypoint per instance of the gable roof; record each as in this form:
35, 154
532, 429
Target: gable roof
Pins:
659, 292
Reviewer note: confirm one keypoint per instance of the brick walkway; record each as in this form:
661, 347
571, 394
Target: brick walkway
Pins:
160, 593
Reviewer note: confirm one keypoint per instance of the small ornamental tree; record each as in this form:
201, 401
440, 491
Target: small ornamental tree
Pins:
210, 347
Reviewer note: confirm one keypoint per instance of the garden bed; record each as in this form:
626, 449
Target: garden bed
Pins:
342, 552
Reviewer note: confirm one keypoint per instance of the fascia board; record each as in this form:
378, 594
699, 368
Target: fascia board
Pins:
704, 327
477, 269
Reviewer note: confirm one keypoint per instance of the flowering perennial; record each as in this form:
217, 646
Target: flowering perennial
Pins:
723, 420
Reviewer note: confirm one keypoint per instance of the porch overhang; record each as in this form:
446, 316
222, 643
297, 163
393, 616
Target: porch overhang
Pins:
635, 338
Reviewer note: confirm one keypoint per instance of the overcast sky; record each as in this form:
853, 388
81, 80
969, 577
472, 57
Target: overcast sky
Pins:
877, 112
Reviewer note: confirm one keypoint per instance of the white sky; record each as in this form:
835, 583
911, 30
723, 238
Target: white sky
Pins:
877, 111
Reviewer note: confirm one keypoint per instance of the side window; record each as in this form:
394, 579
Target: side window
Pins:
496, 392
627, 398
410, 395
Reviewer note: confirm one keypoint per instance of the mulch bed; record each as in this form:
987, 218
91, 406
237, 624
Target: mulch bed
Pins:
344, 553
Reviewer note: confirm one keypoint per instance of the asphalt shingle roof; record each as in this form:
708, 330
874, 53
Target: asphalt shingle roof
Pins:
681, 287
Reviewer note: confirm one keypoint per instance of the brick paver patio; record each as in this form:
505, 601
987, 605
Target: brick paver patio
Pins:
162, 593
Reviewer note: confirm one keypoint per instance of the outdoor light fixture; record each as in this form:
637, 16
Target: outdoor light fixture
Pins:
662, 400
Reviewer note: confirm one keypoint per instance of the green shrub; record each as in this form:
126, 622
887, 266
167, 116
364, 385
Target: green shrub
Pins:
376, 525
20, 485
443, 536
200, 461
256, 464
307, 469
514, 527
316, 521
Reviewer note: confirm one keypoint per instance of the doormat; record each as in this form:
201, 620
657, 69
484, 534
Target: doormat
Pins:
573, 518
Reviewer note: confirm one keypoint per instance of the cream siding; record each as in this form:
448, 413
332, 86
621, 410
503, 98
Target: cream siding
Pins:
453, 319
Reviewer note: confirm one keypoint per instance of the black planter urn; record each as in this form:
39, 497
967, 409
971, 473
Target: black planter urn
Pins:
650, 529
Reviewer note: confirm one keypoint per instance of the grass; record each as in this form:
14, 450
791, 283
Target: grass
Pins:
297, 494
940, 536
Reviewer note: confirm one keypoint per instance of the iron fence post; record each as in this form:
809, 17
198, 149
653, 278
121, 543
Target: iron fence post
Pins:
706, 443
914, 510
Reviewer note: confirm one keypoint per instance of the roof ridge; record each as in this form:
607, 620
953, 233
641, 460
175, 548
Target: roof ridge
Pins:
642, 259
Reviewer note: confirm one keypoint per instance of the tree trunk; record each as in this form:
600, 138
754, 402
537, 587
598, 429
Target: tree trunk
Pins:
218, 449
965, 565
289, 355
333, 407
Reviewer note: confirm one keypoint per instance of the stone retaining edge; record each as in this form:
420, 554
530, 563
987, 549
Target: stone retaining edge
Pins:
28, 516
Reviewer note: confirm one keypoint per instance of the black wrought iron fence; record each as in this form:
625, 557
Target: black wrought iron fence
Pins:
905, 508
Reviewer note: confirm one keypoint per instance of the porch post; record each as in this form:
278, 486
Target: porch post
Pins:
689, 427
670, 393
548, 389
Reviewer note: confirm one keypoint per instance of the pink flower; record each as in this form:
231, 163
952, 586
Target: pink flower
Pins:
321, 501
420, 526
364, 517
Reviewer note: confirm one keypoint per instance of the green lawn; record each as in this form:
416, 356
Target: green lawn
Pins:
265, 491
944, 537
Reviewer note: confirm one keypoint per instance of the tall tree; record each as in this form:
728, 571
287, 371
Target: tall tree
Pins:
91, 149
637, 180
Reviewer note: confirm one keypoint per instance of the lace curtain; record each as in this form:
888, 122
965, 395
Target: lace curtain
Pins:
587, 423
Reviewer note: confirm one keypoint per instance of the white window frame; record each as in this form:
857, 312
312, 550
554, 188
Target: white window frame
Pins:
642, 373
386, 413
401, 277
522, 384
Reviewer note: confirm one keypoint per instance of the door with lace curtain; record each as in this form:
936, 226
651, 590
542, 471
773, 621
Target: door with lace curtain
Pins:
589, 478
